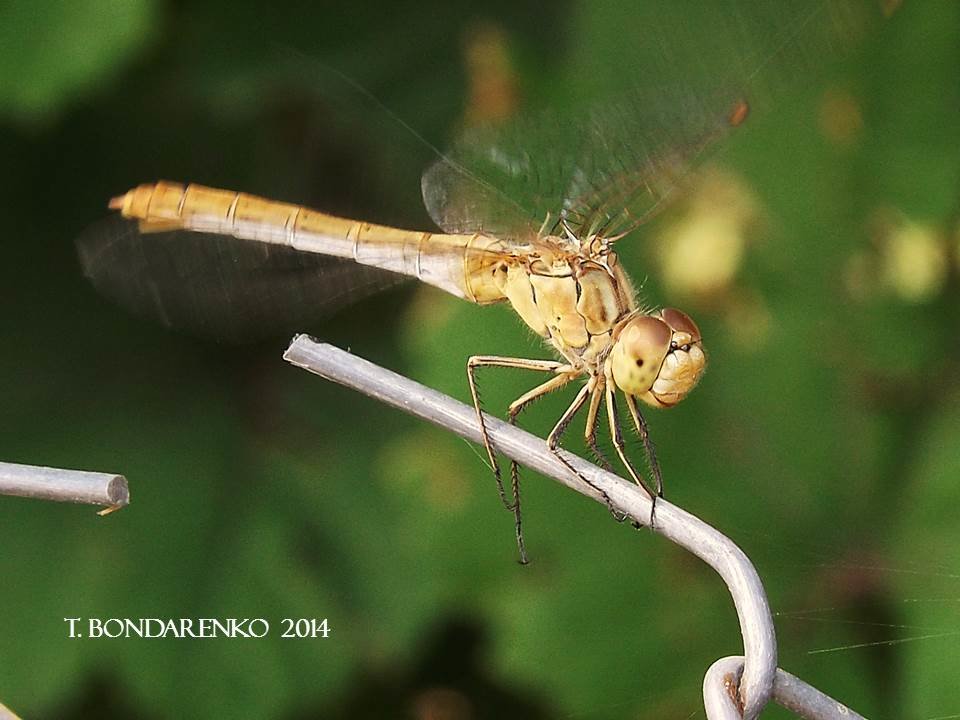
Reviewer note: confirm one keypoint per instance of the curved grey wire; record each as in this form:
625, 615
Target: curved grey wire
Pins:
751, 680
789, 691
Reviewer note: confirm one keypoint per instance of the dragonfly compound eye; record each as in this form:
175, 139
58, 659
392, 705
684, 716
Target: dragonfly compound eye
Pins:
659, 359
638, 354
680, 322
684, 364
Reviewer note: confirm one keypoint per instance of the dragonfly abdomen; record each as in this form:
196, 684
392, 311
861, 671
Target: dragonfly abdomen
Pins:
458, 264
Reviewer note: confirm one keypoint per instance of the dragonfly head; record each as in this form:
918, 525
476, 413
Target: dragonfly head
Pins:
658, 358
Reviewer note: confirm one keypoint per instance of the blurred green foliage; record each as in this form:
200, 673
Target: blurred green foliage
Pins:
824, 443
53, 52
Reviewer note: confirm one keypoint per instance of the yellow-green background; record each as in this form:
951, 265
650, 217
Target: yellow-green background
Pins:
828, 451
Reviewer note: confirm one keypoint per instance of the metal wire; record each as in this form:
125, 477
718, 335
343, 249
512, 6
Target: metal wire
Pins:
749, 681
77, 486
789, 691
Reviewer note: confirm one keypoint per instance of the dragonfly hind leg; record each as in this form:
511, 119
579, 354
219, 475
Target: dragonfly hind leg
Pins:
564, 374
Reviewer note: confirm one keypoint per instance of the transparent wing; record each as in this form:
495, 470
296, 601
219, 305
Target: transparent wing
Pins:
679, 77
632, 170
605, 171
218, 286
497, 179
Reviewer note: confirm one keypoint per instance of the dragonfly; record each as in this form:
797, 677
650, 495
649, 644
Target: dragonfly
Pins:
536, 230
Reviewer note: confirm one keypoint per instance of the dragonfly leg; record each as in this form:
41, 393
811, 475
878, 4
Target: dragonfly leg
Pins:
478, 361
590, 431
565, 373
590, 436
616, 435
553, 439
641, 425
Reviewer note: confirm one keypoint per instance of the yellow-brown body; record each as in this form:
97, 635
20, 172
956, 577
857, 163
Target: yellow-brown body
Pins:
570, 291
573, 302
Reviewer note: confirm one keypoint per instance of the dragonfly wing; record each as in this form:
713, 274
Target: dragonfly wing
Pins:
618, 163
725, 61
493, 179
611, 193
218, 286
615, 155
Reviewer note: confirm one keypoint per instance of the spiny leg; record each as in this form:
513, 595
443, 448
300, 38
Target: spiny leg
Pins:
641, 425
617, 435
565, 375
477, 361
590, 431
590, 436
553, 439
513, 411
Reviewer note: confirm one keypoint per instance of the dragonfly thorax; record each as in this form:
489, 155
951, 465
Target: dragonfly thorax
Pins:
572, 300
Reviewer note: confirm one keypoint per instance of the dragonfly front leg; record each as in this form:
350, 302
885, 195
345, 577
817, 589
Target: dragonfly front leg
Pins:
564, 375
641, 425
616, 435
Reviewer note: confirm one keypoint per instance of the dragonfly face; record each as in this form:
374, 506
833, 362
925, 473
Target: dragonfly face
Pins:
658, 358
